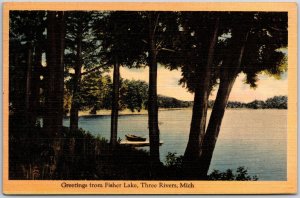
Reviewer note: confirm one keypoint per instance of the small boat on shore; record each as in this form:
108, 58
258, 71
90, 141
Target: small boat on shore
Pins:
134, 138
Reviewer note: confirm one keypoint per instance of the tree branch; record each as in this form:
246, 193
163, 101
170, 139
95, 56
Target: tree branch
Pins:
156, 23
166, 49
277, 29
144, 41
94, 69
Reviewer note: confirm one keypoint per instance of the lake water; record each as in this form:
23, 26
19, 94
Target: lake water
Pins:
255, 139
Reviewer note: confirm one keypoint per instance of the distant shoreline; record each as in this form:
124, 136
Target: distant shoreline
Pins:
126, 112
145, 112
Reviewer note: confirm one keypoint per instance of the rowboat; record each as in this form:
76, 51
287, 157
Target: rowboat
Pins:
134, 138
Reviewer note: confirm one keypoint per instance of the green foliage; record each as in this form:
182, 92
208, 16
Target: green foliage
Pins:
134, 94
262, 53
96, 93
192, 47
170, 102
241, 174
256, 104
121, 38
174, 164
93, 158
26, 31
173, 161
278, 102
234, 104
80, 29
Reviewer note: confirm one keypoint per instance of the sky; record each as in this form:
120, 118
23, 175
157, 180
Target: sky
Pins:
168, 85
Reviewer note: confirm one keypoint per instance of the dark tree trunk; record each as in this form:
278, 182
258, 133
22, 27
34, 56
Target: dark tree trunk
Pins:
60, 70
36, 83
74, 113
214, 125
33, 84
198, 124
76, 86
152, 96
54, 89
115, 104
51, 59
28, 106
17, 99
228, 76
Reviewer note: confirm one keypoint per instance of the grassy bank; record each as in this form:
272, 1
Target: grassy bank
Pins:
83, 156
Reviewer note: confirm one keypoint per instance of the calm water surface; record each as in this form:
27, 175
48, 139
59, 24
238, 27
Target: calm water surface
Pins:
255, 139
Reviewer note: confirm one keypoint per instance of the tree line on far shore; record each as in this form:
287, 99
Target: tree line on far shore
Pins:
96, 94
276, 102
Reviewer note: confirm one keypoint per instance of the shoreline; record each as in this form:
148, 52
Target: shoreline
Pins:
126, 112
145, 112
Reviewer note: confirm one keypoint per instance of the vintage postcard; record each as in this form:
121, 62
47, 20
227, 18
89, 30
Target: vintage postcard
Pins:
149, 98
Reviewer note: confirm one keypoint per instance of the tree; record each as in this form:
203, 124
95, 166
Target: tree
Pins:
82, 54
55, 68
135, 94
26, 48
158, 34
279, 102
210, 48
228, 75
96, 92
153, 18
252, 49
36, 89
121, 43
256, 104
198, 39
55, 80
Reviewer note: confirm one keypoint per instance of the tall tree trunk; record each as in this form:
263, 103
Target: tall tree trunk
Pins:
115, 104
54, 97
198, 124
51, 59
36, 83
33, 83
214, 125
152, 96
28, 86
54, 91
60, 70
76, 86
228, 75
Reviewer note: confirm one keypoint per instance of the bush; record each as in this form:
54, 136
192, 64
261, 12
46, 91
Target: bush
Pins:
173, 161
174, 170
240, 175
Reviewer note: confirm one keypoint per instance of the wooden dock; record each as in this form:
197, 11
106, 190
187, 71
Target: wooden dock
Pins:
138, 143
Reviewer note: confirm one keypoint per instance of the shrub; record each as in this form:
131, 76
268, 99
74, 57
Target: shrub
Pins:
174, 165
173, 161
240, 175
